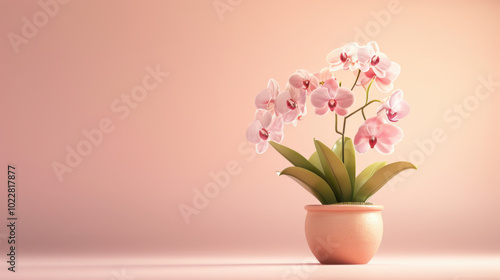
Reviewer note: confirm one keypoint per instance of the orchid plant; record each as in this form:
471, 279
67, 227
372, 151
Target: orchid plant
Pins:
330, 174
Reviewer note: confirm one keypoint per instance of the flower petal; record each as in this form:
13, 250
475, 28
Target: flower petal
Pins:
364, 56
274, 88
253, 132
296, 80
262, 147
389, 134
280, 104
403, 110
344, 97
341, 111
265, 117
383, 148
291, 116
321, 111
262, 99
320, 97
334, 56
396, 97
384, 62
373, 46
332, 86
276, 125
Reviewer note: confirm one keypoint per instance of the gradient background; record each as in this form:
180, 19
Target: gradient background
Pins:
123, 199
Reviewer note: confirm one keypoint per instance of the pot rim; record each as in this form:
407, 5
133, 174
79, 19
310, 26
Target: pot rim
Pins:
342, 207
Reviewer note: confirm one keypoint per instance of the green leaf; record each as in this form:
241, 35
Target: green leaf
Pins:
314, 159
335, 172
349, 158
296, 159
314, 184
380, 178
366, 174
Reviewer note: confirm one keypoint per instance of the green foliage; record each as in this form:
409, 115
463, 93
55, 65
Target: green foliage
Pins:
332, 180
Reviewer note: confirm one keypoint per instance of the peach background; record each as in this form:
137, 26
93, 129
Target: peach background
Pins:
123, 199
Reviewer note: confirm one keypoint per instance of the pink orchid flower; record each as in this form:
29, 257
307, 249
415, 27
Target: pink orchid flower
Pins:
266, 127
332, 97
344, 57
370, 57
291, 104
303, 79
375, 133
323, 75
385, 83
266, 99
395, 107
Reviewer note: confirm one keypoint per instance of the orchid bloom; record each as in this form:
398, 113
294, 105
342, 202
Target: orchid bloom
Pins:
266, 99
344, 57
303, 79
395, 107
385, 83
332, 97
370, 57
266, 127
323, 75
291, 103
376, 133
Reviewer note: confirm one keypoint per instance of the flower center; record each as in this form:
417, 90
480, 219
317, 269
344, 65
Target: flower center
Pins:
264, 134
391, 115
373, 141
292, 105
375, 60
332, 104
306, 84
343, 57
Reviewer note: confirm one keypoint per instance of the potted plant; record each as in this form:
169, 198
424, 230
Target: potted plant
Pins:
344, 228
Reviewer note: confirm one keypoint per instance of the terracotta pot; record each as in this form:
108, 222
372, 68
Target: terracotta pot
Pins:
344, 233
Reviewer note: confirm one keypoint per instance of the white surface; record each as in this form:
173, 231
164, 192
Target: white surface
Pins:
432, 267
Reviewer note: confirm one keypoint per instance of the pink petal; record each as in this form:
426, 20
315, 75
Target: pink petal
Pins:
389, 134
384, 149
373, 46
324, 74
276, 126
253, 132
313, 83
276, 137
361, 143
320, 97
364, 56
362, 135
402, 109
384, 85
344, 97
395, 98
296, 80
262, 147
379, 73
365, 77
280, 105
273, 87
262, 99
332, 86
341, 111
265, 117
291, 116
383, 106
321, 111
334, 56
363, 147
299, 95
384, 62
